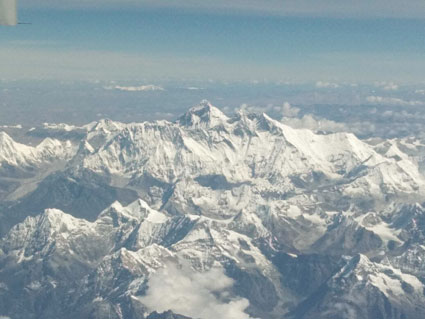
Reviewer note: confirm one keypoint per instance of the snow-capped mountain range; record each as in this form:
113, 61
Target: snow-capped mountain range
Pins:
23, 156
211, 216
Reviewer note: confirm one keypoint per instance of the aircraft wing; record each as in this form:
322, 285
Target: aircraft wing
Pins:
8, 12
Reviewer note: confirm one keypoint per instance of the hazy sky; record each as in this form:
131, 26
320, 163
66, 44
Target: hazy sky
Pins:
278, 40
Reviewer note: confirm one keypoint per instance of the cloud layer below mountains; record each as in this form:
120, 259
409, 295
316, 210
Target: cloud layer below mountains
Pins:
198, 295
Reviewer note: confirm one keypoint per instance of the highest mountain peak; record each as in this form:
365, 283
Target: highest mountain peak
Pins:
203, 115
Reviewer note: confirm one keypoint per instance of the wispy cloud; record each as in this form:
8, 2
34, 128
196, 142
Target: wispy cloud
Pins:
392, 101
324, 84
344, 8
95, 64
141, 88
387, 86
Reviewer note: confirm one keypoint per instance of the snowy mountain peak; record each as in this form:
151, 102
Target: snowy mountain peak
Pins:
137, 211
390, 281
7, 141
17, 154
356, 263
4, 138
58, 221
203, 115
14, 153
106, 126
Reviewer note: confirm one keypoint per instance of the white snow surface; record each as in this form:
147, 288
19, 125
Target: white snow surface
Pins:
17, 154
248, 148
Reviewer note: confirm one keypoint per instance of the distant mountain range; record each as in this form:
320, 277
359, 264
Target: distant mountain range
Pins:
211, 217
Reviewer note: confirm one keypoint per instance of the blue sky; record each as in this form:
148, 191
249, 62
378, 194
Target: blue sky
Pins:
226, 40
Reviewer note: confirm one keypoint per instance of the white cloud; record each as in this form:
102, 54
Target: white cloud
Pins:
285, 109
310, 122
387, 86
19, 126
392, 101
193, 88
190, 293
391, 87
289, 111
420, 92
255, 109
317, 124
323, 84
149, 87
